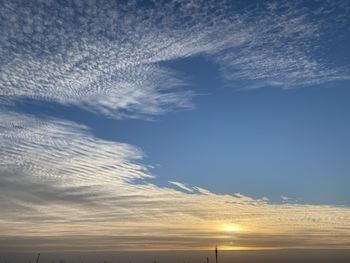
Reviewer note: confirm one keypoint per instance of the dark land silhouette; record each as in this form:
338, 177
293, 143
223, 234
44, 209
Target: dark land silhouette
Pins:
266, 256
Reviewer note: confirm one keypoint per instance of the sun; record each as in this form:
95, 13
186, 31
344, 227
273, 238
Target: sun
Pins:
231, 228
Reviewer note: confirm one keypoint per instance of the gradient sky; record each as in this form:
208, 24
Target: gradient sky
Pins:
156, 125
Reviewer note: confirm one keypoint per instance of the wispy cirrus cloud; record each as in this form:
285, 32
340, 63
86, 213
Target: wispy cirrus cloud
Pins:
61, 186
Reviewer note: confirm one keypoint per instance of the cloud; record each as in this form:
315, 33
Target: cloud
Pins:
106, 56
182, 186
61, 186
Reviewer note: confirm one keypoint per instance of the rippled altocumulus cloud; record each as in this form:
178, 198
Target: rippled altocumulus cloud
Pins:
61, 186
104, 55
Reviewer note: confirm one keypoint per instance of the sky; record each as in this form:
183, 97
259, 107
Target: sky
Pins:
174, 125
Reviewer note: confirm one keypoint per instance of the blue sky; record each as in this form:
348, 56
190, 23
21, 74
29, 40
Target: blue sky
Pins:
267, 142
108, 107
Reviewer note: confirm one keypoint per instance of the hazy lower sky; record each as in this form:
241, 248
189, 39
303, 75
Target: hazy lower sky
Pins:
162, 125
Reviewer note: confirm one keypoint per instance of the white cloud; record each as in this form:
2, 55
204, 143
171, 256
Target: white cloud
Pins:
182, 186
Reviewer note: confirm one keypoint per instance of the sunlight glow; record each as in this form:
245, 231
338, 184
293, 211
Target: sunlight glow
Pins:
231, 228
247, 248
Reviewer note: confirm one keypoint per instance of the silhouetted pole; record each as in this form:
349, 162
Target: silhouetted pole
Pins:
207, 260
216, 254
37, 259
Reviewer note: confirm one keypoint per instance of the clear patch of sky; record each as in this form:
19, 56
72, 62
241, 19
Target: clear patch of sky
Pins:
264, 142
